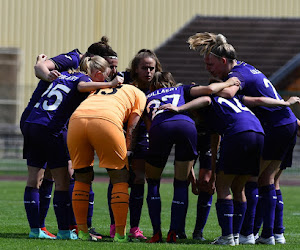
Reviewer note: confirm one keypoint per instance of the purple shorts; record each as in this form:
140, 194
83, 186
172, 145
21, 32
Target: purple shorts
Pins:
142, 143
279, 143
162, 137
240, 153
43, 149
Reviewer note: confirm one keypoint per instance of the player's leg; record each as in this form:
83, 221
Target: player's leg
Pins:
251, 192
45, 192
119, 200
36, 150
136, 198
224, 208
153, 200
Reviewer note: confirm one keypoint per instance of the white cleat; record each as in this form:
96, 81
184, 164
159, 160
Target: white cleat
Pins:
236, 238
224, 240
247, 240
279, 239
266, 241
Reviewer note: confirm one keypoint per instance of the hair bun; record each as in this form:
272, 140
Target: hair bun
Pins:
220, 39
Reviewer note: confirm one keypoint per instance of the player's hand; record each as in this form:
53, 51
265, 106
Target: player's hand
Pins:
118, 80
170, 107
211, 186
41, 58
234, 81
293, 100
195, 185
53, 74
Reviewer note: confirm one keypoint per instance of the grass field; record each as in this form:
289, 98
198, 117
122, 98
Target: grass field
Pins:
14, 227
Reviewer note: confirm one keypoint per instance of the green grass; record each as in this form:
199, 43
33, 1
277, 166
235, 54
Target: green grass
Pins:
14, 227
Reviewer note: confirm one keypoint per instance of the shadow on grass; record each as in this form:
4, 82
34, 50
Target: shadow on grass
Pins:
14, 235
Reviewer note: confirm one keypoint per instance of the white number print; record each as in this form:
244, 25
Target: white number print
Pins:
155, 103
56, 91
269, 84
237, 108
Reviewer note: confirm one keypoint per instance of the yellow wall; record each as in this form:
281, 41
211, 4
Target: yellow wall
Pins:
56, 26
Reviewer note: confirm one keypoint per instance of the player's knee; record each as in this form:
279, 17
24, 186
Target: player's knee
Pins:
85, 175
118, 175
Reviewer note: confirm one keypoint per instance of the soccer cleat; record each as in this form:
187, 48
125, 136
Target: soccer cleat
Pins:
236, 238
37, 233
47, 232
112, 231
171, 238
93, 233
256, 236
279, 238
266, 241
224, 240
247, 240
197, 235
74, 228
156, 238
181, 235
121, 239
66, 235
136, 233
86, 236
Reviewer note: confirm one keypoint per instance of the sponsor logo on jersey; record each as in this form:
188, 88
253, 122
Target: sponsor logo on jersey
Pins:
67, 56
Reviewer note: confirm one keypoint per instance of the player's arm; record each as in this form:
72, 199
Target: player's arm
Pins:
91, 86
215, 143
199, 102
132, 125
214, 87
44, 69
146, 120
250, 101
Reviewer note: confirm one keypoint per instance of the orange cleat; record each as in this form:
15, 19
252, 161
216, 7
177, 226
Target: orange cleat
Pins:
47, 232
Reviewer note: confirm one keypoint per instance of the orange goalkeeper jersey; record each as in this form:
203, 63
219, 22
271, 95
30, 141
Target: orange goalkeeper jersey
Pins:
112, 104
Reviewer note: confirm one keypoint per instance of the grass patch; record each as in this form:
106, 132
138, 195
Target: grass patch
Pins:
14, 226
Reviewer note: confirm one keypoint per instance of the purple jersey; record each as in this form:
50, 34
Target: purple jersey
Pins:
70, 60
175, 96
255, 83
59, 101
230, 116
62, 62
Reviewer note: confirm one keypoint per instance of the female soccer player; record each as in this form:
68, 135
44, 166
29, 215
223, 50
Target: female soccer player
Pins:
45, 142
240, 150
279, 123
168, 129
97, 125
142, 69
49, 70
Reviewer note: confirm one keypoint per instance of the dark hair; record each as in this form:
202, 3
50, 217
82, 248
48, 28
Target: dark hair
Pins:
162, 80
143, 53
102, 48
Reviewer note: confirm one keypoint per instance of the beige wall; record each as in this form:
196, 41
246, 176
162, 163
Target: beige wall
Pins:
56, 26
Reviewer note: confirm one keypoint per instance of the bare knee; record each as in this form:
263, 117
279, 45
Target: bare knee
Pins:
84, 175
35, 177
118, 175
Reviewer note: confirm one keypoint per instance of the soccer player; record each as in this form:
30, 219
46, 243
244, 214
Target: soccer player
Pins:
142, 69
44, 132
241, 147
168, 129
97, 125
48, 70
279, 123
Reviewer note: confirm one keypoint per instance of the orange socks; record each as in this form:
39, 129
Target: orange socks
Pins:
119, 205
80, 203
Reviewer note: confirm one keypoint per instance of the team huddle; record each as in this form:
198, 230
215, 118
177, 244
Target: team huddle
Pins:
132, 119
